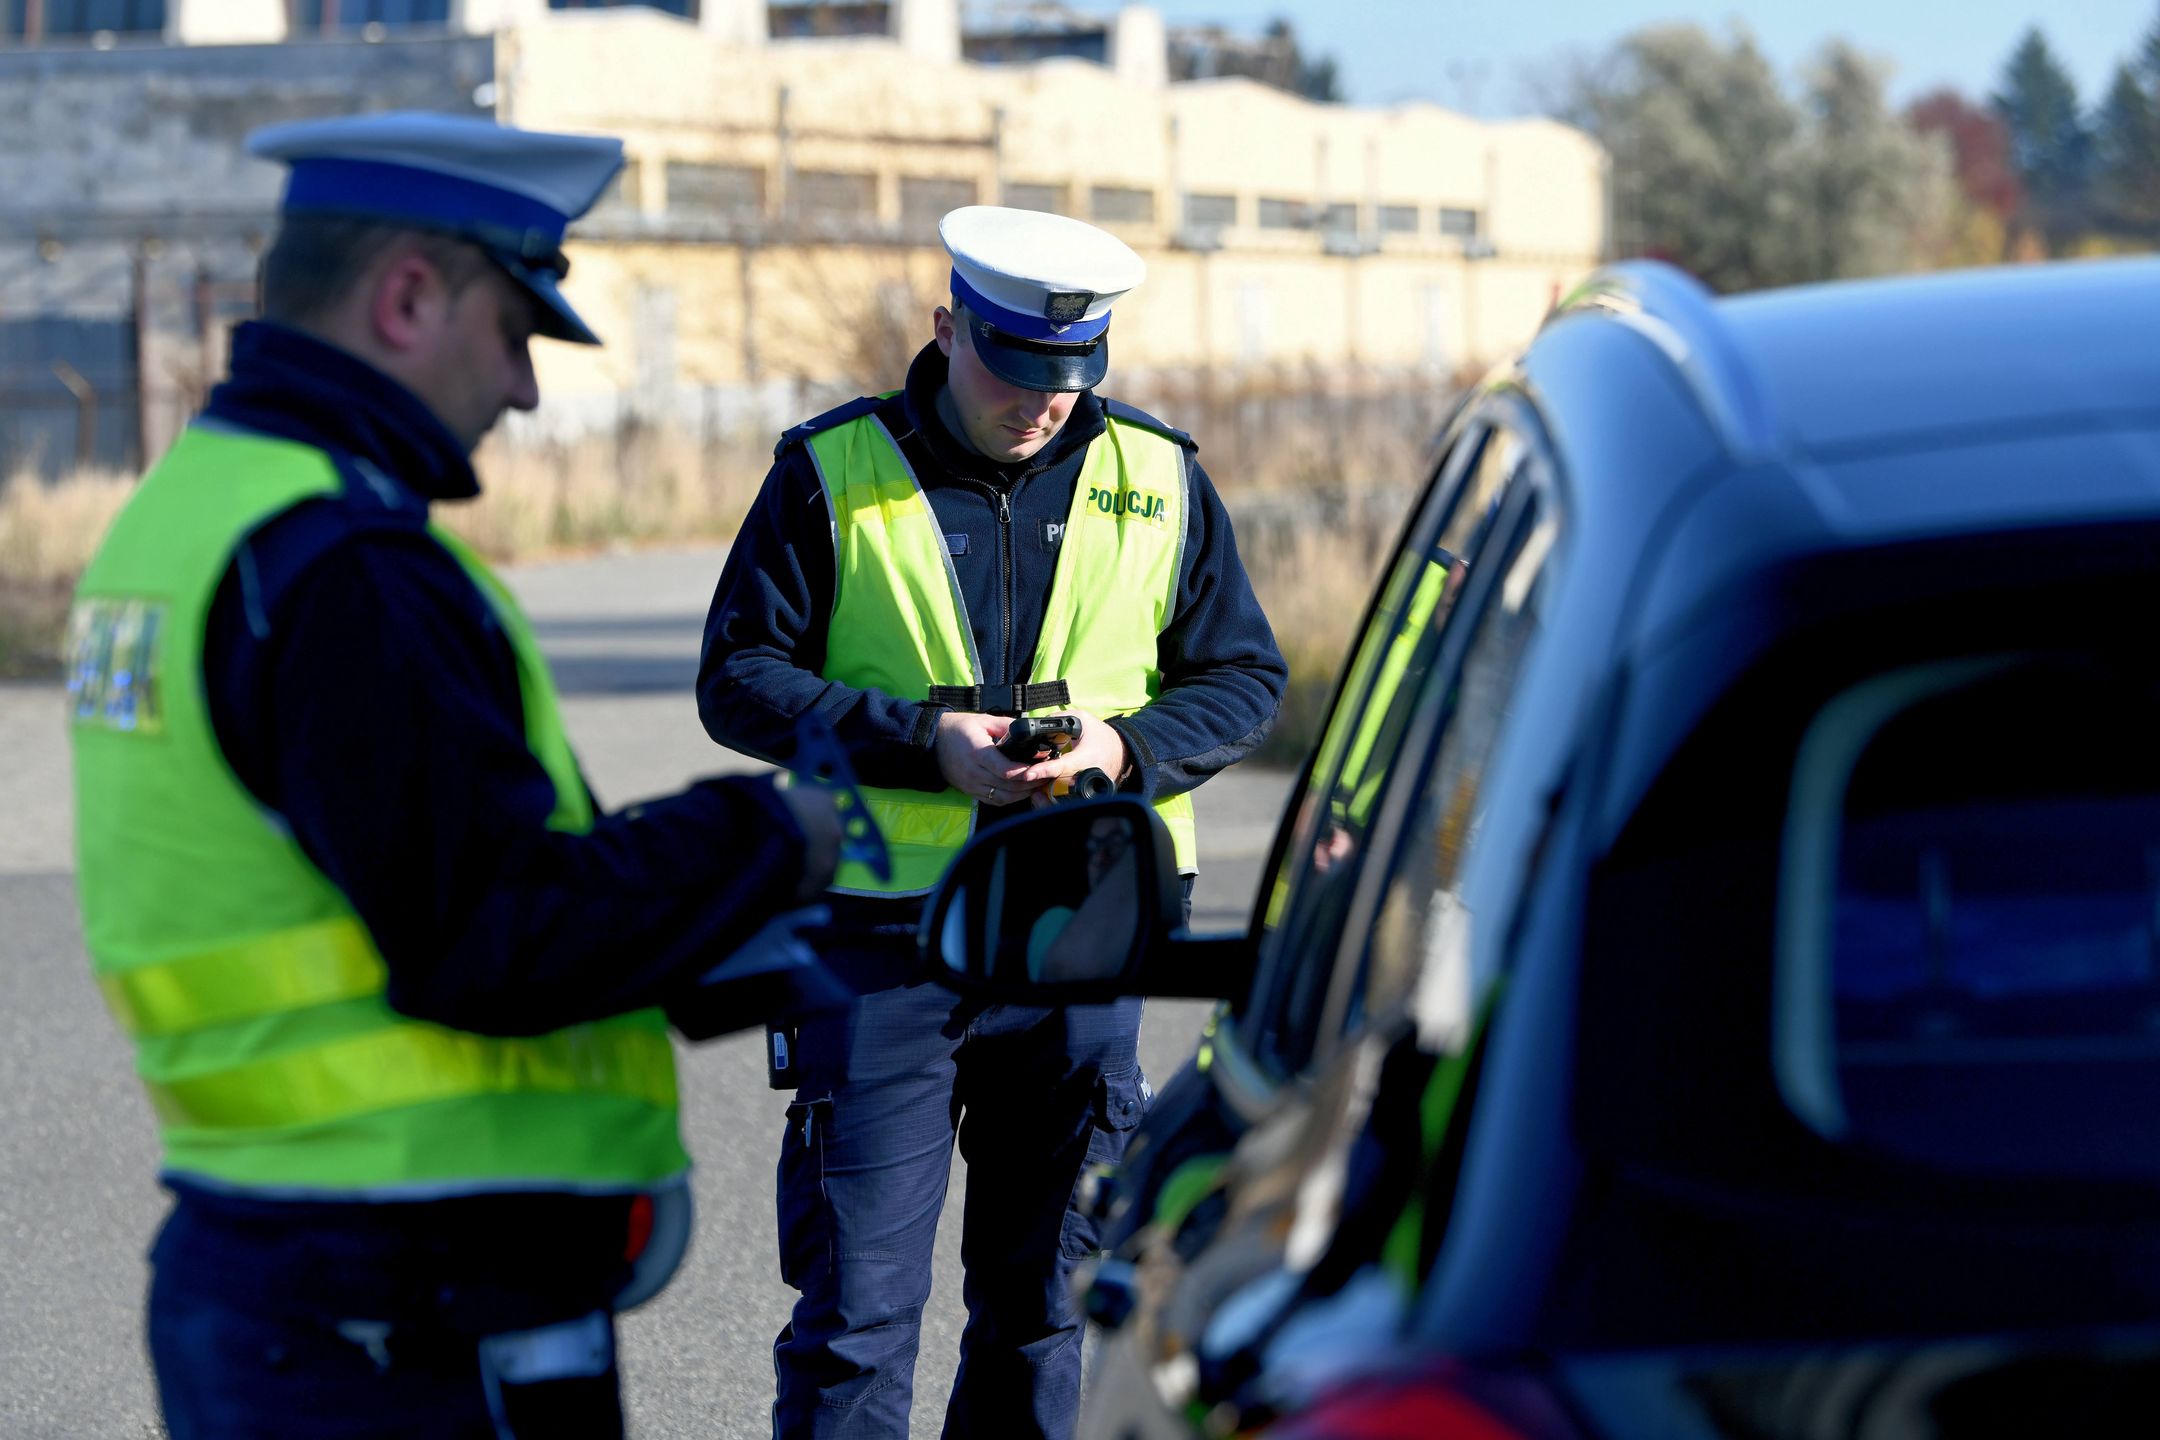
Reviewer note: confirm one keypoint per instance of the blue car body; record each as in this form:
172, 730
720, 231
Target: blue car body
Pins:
1707, 982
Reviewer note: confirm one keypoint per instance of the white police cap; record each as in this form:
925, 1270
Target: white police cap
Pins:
512, 192
1039, 287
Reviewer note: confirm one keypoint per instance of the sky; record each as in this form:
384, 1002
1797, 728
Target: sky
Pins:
1478, 54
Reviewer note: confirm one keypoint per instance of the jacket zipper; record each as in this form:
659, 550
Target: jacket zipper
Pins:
1005, 574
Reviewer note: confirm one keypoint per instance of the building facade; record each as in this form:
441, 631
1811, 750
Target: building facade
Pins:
773, 238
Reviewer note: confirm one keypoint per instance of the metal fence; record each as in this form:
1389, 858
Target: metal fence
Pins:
70, 396
107, 381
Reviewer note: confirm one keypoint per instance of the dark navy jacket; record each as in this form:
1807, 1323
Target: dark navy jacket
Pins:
765, 638
362, 691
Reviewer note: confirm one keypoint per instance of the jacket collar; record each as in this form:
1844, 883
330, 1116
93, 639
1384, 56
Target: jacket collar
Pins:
287, 383
955, 457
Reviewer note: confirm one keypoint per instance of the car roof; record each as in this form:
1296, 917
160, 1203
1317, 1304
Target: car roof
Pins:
1864, 363
1827, 370
1757, 428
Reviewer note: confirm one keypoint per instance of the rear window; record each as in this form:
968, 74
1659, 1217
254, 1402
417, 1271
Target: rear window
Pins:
1969, 967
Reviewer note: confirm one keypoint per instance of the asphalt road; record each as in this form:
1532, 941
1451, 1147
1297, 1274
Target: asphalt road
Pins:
78, 1202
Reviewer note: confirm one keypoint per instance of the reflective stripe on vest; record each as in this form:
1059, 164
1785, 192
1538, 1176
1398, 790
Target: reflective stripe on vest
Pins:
288, 970
899, 623
252, 990
415, 1065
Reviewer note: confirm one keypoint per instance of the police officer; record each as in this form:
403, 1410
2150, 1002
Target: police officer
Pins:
391, 976
992, 540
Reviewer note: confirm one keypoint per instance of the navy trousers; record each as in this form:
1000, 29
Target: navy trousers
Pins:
265, 1326
1034, 1097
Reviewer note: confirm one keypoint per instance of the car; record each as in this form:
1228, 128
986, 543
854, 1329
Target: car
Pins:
1707, 979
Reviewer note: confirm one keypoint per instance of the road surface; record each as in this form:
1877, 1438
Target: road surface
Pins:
78, 1203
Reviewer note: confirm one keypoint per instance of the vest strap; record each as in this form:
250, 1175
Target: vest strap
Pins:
1002, 699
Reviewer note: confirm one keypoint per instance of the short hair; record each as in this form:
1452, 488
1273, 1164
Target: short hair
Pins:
962, 318
316, 261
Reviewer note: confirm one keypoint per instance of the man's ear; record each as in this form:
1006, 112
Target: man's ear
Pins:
948, 329
408, 303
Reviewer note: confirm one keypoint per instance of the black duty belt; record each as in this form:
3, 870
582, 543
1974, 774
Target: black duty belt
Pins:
1001, 699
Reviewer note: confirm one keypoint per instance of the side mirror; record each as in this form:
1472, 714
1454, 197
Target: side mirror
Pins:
1060, 907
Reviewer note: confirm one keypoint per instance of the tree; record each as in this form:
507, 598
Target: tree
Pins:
1979, 150
1312, 76
2049, 143
1862, 186
2126, 147
2126, 158
1691, 129
1715, 169
1275, 58
1976, 229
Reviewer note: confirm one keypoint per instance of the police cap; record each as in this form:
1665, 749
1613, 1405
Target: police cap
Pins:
511, 192
1039, 289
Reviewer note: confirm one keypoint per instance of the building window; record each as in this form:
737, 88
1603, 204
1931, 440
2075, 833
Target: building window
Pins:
1211, 212
1121, 204
34, 20
835, 193
1027, 46
1399, 219
1461, 224
688, 9
924, 202
1285, 215
1037, 197
826, 19
622, 196
694, 188
1339, 220
314, 16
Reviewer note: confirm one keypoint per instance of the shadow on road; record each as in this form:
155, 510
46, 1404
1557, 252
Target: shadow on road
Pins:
623, 675
623, 654
675, 628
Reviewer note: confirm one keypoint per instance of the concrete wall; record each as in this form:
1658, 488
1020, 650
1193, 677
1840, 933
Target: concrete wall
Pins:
781, 297
158, 130
743, 316
126, 194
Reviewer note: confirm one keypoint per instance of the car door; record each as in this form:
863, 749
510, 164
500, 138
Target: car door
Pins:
1367, 1007
1314, 984
1279, 1076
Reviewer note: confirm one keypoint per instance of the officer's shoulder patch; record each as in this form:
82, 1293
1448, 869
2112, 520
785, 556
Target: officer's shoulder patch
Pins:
839, 415
1126, 414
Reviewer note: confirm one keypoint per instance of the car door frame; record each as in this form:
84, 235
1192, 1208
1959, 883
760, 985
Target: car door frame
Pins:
1252, 1086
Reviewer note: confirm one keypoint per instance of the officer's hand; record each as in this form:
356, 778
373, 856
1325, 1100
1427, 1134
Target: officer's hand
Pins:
968, 758
1099, 747
819, 820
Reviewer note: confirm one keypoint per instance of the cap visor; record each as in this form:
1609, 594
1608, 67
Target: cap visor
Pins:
555, 319
1041, 369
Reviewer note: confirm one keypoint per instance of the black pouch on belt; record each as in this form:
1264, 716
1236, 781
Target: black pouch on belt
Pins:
781, 1071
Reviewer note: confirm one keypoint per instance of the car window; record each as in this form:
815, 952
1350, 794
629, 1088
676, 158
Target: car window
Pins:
1318, 869
1421, 936
1967, 971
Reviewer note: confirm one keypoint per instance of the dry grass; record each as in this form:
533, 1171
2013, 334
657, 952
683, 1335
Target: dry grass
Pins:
1316, 484
639, 485
1296, 434
1313, 581
47, 535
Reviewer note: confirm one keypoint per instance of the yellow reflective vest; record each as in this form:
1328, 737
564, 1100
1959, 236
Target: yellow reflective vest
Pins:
899, 624
252, 991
